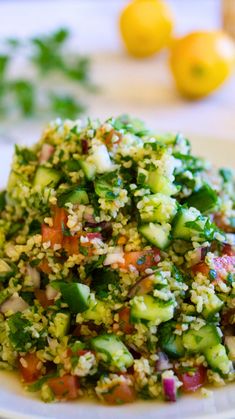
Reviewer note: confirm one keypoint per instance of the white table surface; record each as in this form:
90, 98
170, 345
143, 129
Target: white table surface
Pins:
143, 88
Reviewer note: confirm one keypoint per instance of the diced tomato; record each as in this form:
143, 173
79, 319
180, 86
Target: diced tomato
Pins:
141, 260
201, 267
124, 321
42, 298
60, 218
108, 138
52, 235
92, 236
120, 394
228, 250
220, 221
70, 245
193, 380
222, 265
30, 367
65, 387
44, 266
55, 234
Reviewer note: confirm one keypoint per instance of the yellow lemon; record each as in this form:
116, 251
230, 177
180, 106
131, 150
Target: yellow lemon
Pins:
201, 61
146, 27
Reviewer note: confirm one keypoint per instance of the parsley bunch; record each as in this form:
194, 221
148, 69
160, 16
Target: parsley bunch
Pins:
51, 66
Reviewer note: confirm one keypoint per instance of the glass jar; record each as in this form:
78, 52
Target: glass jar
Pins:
228, 16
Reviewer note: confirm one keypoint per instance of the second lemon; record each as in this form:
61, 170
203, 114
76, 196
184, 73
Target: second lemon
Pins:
146, 27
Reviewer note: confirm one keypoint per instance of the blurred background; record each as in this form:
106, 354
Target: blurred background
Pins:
94, 74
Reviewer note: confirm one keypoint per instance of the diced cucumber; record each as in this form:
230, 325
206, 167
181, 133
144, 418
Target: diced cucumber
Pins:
199, 340
169, 342
76, 295
157, 234
160, 183
74, 195
45, 176
89, 169
142, 176
212, 307
112, 351
158, 207
61, 324
217, 359
205, 199
189, 223
97, 312
150, 309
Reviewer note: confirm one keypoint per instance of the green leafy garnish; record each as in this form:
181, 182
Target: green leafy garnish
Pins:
19, 334
2, 200
66, 106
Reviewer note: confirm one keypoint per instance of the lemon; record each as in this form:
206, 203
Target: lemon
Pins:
201, 62
146, 27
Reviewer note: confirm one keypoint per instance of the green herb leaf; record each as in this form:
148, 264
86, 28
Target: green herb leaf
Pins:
4, 61
24, 92
25, 155
66, 106
2, 200
34, 227
17, 323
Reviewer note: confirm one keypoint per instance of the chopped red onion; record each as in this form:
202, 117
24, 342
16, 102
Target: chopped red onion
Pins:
115, 257
34, 275
163, 362
198, 255
84, 146
15, 303
90, 219
46, 152
51, 292
169, 388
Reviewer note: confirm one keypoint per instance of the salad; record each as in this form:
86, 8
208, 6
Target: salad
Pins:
117, 265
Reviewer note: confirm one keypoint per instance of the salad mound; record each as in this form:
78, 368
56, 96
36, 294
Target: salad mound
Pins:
117, 265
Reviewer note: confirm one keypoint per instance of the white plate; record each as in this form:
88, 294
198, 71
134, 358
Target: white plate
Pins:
15, 403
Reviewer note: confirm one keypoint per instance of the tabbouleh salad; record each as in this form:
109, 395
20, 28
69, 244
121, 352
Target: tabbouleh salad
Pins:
117, 265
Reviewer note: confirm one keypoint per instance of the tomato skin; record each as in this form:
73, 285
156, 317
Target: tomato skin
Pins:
124, 321
60, 218
32, 371
108, 138
55, 234
141, 260
194, 381
51, 234
201, 267
228, 250
222, 266
44, 267
42, 298
65, 387
70, 245
120, 394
